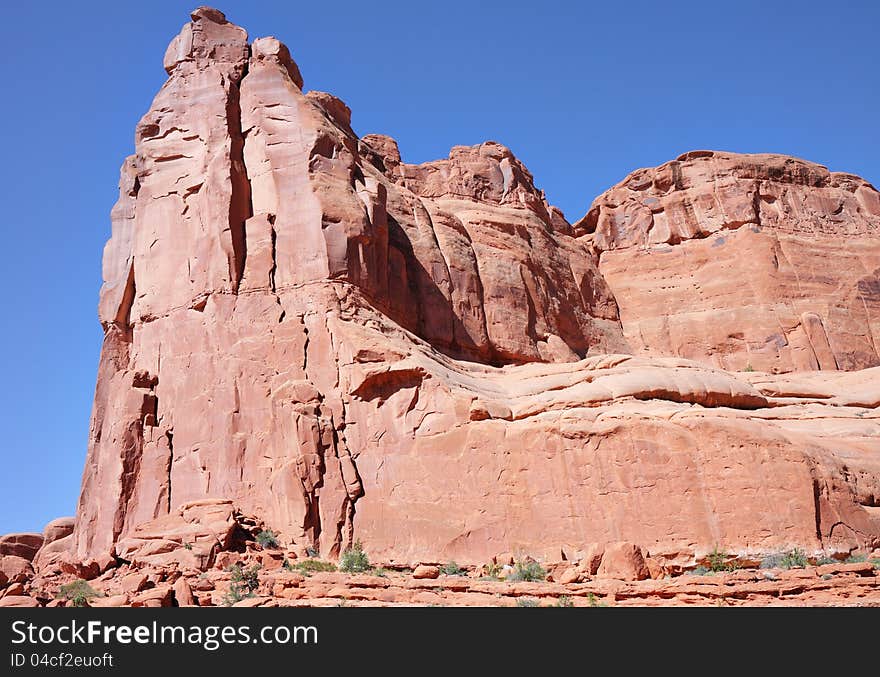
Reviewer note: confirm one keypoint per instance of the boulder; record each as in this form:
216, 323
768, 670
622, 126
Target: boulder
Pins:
183, 593
623, 561
21, 545
16, 569
57, 529
19, 601
426, 571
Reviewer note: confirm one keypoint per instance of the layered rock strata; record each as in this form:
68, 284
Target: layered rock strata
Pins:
302, 327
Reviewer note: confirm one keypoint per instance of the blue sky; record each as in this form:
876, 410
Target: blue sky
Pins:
582, 92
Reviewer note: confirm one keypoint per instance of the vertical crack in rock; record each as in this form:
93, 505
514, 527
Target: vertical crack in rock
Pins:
131, 449
273, 235
169, 435
123, 315
240, 203
818, 508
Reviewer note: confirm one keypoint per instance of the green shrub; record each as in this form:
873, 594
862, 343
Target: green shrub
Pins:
78, 593
771, 561
702, 571
749, 368
594, 602
526, 601
309, 566
564, 601
452, 569
286, 565
248, 577
493, 570
235, 594
789, 559
354, 560
864, 558
242, 583
794, 558
267, 538
527, 570
718, 560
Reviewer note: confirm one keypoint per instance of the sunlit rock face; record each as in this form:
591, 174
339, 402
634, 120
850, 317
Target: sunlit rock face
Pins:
301, 327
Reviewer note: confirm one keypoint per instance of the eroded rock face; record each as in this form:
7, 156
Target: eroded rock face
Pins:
301, 327
744, 261
21, 545
59, 528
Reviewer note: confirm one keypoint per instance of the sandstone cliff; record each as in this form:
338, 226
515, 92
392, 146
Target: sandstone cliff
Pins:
431, 359
744, 261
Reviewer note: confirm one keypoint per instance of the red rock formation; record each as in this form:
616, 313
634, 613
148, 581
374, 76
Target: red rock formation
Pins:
301, 327
21, 545
744, 261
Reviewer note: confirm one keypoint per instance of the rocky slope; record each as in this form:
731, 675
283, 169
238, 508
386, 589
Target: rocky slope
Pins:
303, 329
207, 554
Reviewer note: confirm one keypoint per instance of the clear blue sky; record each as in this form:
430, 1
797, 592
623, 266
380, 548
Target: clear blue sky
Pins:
582, 92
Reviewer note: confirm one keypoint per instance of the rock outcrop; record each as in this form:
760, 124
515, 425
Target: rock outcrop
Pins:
21, 545
757, 262
303, 328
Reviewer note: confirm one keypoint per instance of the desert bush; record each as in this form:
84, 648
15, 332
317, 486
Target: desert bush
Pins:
310, 566
267, 538
594, 601
855, 558
248, 577
526, 601
493, 570
235, 594
564, 601
78, 593
789, 559
527, 570
452, 569
354, 560
794, 558
242, 584
718, 560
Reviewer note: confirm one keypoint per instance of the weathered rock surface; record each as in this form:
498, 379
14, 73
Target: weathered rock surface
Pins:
623, 561
18, 601
21, 545
57, 529
302, 328
759, 262
15, 569
426, 571
189, 536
